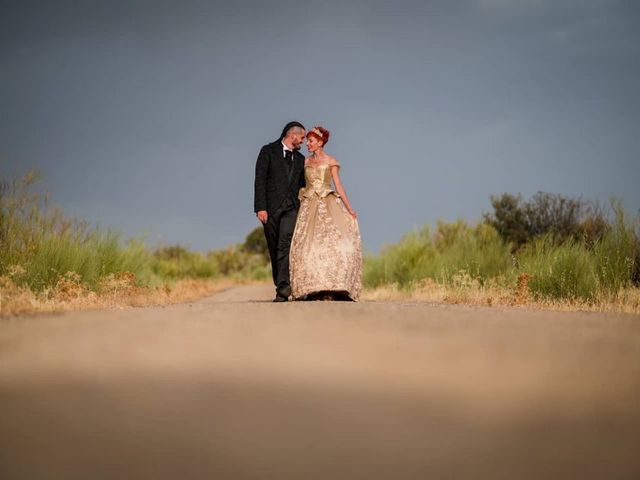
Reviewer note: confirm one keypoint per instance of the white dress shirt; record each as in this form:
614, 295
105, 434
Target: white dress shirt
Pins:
285, 149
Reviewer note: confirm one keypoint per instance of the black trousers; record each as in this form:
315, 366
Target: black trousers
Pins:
279, 230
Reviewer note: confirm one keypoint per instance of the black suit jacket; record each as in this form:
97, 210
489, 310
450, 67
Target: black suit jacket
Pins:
273, 183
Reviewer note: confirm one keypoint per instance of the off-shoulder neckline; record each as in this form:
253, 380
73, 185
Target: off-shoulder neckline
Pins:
308, 164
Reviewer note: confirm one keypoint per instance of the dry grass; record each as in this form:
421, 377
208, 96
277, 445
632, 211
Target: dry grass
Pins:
115, 291
120, 290
470, 292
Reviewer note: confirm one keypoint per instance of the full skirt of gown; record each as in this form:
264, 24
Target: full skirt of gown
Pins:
326, 252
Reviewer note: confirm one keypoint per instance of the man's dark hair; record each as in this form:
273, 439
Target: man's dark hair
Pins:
288, 127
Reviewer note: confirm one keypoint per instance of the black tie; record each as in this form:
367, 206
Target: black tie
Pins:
288, 155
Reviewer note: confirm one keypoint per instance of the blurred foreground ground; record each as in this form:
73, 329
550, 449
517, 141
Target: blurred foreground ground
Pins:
234, 386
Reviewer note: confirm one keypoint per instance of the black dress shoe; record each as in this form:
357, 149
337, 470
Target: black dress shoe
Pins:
280, 298
284, 291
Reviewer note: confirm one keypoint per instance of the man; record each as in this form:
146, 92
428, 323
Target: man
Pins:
279, 177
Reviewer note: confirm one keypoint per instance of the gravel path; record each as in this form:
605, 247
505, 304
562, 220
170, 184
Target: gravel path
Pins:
234, 386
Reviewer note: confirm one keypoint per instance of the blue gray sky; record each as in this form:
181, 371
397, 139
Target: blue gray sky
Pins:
147, 116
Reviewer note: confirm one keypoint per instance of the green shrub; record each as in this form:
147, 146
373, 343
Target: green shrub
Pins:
255, 242
565, 271
45, 244
520, 222
583, 267
177, 262
616, 254
454, 247
567, 248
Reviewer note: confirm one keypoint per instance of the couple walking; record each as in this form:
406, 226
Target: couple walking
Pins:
311, 230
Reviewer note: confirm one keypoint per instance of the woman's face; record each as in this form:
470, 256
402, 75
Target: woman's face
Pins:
313, 143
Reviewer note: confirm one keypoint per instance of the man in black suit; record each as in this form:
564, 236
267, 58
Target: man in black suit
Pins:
279, 177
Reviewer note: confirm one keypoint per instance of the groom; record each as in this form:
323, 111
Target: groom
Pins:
279, 177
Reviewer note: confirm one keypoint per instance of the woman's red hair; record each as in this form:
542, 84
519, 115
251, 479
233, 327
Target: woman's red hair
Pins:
320, 133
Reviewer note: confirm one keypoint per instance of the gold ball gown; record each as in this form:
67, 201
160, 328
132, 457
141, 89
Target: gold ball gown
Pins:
326, 250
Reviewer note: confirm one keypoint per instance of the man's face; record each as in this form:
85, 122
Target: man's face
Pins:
297, 138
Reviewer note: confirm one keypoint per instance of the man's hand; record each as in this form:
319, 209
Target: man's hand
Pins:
262, 216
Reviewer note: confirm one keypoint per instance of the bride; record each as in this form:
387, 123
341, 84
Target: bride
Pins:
326, 253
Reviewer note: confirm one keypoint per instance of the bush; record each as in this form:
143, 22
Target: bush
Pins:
509, 219
177, 262
565, 271
39, 246
235, 262
546, 214
455, 247
616, 253
256, 243
576, 269
557, 265
45, 245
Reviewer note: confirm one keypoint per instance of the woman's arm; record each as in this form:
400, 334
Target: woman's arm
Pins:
335, 167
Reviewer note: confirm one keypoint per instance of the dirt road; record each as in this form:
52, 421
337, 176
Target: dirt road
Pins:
234, 386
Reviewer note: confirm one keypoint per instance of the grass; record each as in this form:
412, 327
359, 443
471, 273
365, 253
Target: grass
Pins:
493, 295
463, 263
116, 291
177, 262
48, 261
440, 256
39, 244
575, 270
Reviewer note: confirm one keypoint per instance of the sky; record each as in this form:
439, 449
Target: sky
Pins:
147, 116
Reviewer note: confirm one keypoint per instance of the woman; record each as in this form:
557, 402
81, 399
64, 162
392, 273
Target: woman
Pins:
326, 254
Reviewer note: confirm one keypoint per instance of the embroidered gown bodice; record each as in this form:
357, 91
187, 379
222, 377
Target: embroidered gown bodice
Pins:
318, 181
